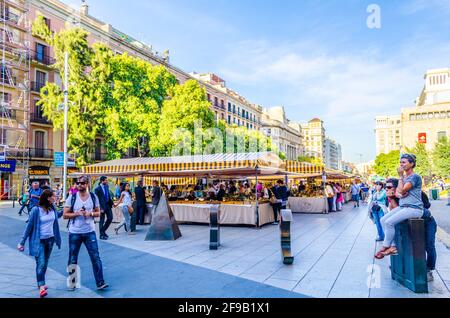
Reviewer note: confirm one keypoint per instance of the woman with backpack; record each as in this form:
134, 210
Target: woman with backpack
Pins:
126, 202
43, 233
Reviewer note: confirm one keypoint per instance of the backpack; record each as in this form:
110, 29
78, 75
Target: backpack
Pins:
72, 205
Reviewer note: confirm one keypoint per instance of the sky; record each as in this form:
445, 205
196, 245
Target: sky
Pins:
317, 58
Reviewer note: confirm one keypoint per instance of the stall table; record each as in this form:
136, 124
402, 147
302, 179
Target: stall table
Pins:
230, 214
308, 205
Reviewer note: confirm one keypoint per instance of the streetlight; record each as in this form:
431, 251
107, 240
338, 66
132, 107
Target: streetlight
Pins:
66, 111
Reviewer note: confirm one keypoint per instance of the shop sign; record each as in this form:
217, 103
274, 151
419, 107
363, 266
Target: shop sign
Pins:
8, 166
422, 138
39, 171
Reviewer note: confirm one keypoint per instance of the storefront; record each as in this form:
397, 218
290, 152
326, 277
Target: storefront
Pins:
39, 174
7, 168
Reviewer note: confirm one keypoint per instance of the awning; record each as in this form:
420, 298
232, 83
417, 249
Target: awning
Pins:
303, 168
186, 163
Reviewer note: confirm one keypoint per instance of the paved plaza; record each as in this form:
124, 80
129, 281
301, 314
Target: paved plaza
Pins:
333, 258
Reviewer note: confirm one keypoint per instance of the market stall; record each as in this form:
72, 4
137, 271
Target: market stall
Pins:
187, 205
311, 198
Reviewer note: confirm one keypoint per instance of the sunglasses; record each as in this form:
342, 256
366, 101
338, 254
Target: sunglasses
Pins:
389, 187
81, 183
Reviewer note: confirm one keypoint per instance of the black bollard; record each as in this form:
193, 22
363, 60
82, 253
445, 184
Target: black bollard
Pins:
285, 228
409, 267
214, 223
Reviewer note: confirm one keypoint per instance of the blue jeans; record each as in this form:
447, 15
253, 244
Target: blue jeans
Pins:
430, 240
377, 215
90, 241
126, 222
45, 250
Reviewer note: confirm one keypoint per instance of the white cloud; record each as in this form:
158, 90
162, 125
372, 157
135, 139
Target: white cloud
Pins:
415, 6
347, 91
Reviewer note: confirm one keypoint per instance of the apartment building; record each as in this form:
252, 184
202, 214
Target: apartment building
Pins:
238, 110
426, 122
314, 138
39, 141
333, 154
286, 135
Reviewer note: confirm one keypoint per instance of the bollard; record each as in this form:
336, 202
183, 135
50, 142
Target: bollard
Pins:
409, 267
285, 228
214, 224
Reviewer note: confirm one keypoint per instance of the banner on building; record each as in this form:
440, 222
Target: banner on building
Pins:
422, 138
39, 171
8, 166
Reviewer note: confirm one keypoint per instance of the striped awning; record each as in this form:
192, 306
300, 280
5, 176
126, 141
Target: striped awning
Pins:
186, 163
303, 168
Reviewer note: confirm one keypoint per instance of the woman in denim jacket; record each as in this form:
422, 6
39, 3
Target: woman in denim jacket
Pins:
43, 233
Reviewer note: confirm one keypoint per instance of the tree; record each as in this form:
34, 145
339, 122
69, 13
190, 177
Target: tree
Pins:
386, 165
441, 155
423, 167
187, 105
115, 96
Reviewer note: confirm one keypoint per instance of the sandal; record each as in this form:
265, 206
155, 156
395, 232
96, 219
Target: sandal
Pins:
391, 252
380, 254
43, 293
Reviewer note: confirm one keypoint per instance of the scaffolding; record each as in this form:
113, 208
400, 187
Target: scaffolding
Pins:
15, 89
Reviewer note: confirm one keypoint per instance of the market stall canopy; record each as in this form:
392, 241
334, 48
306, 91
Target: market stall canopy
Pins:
304, 168
188, 165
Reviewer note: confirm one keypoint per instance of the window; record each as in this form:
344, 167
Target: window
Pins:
209, 97
222, 103
47, 22
442, 134
41, 78
38, 113
216, 101
229, 107
412, 117
229, 119
39, 142
41, 53
234, 109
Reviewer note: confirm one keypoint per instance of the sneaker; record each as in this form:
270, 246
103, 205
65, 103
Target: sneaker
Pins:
275, 223
379, 239
131, 233
102, 286
430, 276
71, 289
43, 293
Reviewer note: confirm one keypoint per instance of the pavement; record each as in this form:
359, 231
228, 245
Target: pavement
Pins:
441, 212
333, 259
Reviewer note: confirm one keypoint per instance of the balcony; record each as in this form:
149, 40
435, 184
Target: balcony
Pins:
36, 86
39, 119
41, 153
43, 59
10, 17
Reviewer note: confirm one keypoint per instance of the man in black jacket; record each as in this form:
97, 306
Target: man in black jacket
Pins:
106, 204
141, 203
156, 195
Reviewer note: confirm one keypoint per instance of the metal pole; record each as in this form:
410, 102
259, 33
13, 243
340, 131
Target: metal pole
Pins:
66, 111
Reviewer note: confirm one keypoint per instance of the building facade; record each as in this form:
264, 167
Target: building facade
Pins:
333, 155
426, 122
39, 141
233, 108
314, 138
388, 133
286, 136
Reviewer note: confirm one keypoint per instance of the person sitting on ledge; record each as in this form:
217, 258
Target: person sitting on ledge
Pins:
409, 191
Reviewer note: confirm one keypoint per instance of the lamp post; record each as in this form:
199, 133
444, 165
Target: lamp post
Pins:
66, 111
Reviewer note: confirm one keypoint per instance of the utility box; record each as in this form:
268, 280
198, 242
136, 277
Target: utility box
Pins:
285, 229
409, 267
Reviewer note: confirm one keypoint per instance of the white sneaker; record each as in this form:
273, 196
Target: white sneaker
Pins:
430, 276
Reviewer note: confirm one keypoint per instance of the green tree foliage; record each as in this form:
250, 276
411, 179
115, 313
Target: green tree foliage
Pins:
386, 165
423, 167
116, 96
131, 104
441, 158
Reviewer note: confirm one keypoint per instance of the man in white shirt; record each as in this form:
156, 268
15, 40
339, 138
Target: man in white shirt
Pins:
80, 212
